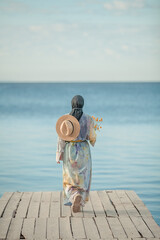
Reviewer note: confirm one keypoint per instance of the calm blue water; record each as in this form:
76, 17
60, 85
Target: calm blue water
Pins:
127, 152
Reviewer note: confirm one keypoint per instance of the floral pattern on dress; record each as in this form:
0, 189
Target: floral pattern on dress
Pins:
77, 162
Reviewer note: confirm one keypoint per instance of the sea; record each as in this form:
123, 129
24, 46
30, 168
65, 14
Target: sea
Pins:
127, 151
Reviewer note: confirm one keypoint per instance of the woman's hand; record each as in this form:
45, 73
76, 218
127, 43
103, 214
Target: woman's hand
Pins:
60, 158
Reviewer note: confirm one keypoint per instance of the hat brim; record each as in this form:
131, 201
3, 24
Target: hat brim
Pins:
76, 126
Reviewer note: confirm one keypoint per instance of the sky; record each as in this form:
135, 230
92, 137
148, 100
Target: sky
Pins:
79, 40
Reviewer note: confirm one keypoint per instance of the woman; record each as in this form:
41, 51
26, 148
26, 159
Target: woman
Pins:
76, 156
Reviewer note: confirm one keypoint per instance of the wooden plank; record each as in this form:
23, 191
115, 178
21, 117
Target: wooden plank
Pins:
107, 205
103, 227
116, 228
22, 208
40, 229
122, 196
129, 227
36, 197
4, 201
88, 209
15, 228
90, 228
149, 238
55, 207
142, 209
65, 210
44, 209
129, 239
141, 239
54, 210
12, 205
4, 226
122, 227
65, 229
16, 196
46, 196
28, 228
130, 208
141, 226
87, 239
11, 209
6, 196
53, 228
33, 210
121, 211
23, 205
55, 196
152, 225
133, 196
3, 204
96, 203
27, 195
77, 228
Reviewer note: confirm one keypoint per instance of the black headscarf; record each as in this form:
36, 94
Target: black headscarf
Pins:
77, 105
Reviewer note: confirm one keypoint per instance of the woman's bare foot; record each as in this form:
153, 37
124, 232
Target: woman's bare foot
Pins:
76, 206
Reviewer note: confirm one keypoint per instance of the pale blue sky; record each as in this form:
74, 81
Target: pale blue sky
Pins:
80, 40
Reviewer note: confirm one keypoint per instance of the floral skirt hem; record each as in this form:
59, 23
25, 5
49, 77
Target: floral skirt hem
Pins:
77, 172
69, 201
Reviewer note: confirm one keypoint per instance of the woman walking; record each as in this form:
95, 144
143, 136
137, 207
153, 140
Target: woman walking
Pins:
75, 131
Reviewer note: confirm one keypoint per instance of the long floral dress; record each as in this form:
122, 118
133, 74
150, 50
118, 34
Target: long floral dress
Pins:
77, 162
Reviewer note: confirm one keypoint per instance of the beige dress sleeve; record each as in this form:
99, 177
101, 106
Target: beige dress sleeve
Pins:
60, 149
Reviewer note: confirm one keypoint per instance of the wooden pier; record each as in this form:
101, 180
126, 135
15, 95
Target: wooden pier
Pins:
117, 214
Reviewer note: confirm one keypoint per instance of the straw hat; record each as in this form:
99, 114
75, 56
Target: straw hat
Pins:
67, 127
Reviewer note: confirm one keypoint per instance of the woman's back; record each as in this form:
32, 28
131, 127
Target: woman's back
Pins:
76, 156
87, 131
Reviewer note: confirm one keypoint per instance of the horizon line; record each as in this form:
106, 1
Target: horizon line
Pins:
81, 81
